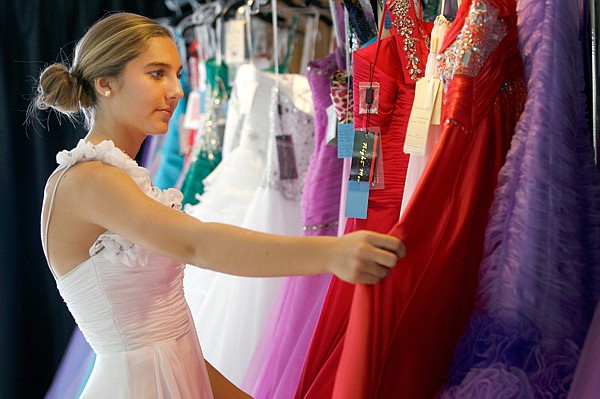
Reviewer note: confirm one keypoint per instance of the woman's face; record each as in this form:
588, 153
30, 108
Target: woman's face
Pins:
148, 90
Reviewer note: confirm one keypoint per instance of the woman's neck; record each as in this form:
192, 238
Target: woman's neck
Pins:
129, 144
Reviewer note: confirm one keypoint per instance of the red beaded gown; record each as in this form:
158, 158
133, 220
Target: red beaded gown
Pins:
401, 333
396, 71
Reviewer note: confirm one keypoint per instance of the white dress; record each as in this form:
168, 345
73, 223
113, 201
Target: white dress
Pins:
129, 304
237, 307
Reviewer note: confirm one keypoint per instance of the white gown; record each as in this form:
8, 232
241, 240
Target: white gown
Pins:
129, 304
236, 307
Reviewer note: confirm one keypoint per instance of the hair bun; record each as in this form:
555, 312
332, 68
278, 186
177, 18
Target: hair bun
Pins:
59, 89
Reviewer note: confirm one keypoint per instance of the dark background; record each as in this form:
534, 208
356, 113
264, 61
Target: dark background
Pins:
35, 324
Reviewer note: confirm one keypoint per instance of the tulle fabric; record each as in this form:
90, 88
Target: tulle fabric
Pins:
230, 187
276, 363
402, 332
234, 309
539, 276
323, 357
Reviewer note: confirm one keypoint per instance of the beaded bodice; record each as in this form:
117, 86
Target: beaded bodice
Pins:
288, 121
480, 35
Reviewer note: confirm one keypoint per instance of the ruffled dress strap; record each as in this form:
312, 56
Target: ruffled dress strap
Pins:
108, 153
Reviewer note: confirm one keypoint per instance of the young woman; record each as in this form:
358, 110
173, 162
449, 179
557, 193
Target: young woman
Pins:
117, 246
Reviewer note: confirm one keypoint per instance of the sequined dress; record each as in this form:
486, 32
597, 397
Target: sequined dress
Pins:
129, 303
234, 309
402, 332
208, 141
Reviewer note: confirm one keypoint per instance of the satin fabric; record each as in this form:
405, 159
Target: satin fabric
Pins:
395, 101
402, 332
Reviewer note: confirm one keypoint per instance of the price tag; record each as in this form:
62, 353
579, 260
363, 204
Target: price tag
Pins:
368, 97
345, 140
286, 157
331, 133
357, 199
364, 153
420, 116
235, 41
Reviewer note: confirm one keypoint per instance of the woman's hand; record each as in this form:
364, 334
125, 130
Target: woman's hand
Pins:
365, 257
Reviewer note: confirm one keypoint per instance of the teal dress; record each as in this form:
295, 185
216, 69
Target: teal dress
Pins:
207, 154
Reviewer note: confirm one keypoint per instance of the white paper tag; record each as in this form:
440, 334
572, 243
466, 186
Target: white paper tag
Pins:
426, 92
436, 116
193, 117
184, 138
235, 41
330, 137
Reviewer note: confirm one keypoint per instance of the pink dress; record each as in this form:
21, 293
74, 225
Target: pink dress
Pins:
129, 303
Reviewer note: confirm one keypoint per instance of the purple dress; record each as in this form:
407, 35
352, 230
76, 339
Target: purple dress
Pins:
276, 364
74, 370
538, 282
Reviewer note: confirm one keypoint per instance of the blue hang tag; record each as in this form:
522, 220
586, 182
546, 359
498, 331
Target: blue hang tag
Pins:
357, 199
203, 102
345, 140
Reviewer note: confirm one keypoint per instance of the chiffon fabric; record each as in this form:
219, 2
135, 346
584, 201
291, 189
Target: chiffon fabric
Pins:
74, 369
276, 363
394, 71
402, 332
539, 277
129, 304
235, 308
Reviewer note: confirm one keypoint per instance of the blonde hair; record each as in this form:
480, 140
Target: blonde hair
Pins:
103, 51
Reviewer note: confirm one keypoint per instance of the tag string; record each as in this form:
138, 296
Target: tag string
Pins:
369, 93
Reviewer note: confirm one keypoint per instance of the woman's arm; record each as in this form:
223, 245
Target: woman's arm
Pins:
108, 197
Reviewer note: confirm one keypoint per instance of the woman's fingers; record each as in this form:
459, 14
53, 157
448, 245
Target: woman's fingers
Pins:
388, 243
371, 256
366, 278
372, 274
384, 257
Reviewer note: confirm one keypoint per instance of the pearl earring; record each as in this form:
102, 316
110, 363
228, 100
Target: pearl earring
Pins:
107, 93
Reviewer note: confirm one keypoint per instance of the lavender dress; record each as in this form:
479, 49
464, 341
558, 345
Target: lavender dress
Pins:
276, 363
539, 278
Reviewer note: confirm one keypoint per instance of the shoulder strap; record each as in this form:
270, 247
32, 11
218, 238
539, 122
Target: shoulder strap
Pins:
49, 214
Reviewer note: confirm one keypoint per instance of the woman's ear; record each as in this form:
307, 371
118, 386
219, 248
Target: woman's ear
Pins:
103, 87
